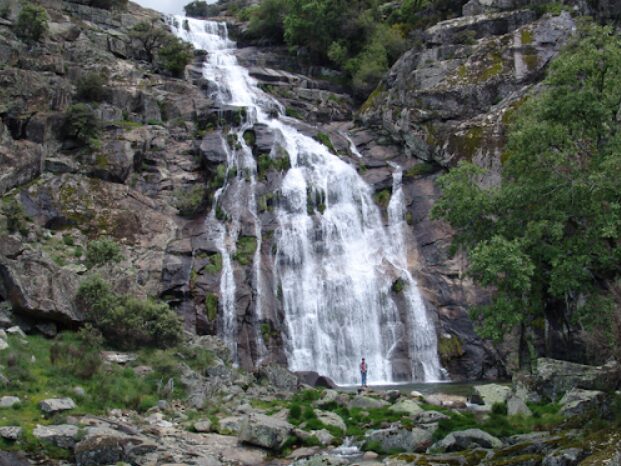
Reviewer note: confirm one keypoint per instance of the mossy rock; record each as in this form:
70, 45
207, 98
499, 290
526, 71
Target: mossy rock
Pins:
450, 347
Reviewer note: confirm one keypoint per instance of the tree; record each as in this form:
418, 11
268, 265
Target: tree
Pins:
31, 23
548, 238
90, 87
175, 55
150, 36
81, 124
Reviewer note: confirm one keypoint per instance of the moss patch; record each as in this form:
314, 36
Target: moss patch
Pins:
246, 247
211, 306
449, 348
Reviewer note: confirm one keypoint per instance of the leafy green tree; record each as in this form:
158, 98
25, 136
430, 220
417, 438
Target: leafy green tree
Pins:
31, 22
548, 238
174, 56
90, 87
267, 20
150, 36
81, 124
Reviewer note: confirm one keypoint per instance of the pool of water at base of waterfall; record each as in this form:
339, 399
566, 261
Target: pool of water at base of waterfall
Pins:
449, 388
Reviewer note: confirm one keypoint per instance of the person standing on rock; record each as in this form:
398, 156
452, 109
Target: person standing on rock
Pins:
363, 373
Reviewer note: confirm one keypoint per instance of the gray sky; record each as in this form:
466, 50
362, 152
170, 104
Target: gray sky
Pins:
167, 6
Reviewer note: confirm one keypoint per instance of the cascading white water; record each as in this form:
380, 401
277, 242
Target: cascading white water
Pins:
335, 261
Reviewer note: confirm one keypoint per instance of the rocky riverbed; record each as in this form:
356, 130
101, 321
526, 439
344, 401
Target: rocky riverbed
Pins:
214, 414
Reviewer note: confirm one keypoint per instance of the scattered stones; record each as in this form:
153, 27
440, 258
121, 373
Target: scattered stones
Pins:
264, 431
10, 432
517, 406
465, 440
408, 407
9, 401
55, 405
63, 436
493, 393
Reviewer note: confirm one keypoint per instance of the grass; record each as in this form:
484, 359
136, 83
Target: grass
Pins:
33, 378
246, 247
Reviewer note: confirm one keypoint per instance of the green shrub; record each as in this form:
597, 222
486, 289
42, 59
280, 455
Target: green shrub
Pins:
189, 201
90, 87
125, 321
16, 219
199, 9
266, 20
81, 124
246, 247
31, 23
102, 251
174, 56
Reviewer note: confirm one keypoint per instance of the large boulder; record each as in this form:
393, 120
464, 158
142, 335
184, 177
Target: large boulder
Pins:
331, 419
408, 407
465, 440
493, 393
315, 380
555, 377
63, 436
278, 376
577, 402
8, 458
264, 431
39, 288
400, 439
100, 450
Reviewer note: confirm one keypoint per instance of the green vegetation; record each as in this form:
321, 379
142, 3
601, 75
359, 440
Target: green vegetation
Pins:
547, 238
211, 306
198, 9
31, 23
382, 198
16, 219
189, 201
358, 38
324, 139
125, 321
246, 247
82, 125
266, 163
160, 47
102, 251
174, 55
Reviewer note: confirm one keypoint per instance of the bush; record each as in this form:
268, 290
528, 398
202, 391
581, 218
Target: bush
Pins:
101, 251
90, 87
189, 201
174, 56
31, 23
16, 219
266, 20
150, 37
125, 321
81, 124
199, 9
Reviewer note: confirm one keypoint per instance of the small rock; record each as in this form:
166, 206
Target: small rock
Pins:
264, 431
11, 432
303, 452
15, 330
428, 417
3, 344
465, 440
392, 395
493, 393
229, 425
517, 406
416, 394
79, 392
9, 401
162, 404
366, 402
331, 419
325, 437
370, 456
396, 438
55, 405
447, 401
118, 358
143, 370
203, 425
408, 407
63, 436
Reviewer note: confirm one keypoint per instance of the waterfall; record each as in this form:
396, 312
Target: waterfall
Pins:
335, 262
